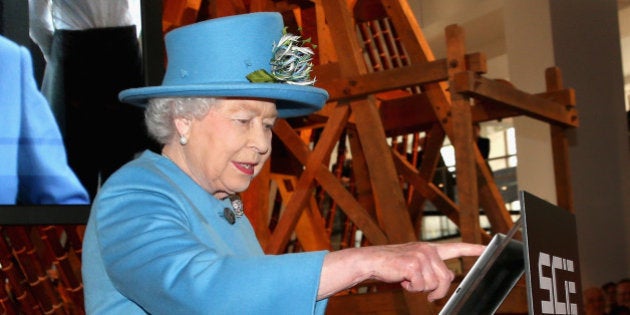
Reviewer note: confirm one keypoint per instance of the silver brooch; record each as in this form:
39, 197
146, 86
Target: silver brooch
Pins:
237, 205
236, 212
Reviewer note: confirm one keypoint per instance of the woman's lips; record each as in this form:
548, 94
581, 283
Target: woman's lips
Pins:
247, 168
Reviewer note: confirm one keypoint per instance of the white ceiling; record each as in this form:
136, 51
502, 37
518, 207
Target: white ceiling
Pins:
482, 21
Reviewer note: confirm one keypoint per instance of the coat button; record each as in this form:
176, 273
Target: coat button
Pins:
229, 215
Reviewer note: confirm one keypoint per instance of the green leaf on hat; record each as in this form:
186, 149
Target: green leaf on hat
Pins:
260, 76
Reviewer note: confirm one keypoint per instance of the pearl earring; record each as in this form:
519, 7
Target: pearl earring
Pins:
183, 140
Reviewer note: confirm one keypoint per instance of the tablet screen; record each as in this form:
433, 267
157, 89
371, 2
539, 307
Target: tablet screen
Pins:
491, 278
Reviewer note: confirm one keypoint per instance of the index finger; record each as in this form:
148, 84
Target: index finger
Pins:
454, 250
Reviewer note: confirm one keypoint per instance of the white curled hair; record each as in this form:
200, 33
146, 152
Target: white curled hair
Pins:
161, 113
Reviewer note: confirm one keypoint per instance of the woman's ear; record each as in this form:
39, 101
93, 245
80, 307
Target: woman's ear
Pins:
183, 126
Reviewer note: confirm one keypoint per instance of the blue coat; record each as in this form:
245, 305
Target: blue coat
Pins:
157, 243
33, 165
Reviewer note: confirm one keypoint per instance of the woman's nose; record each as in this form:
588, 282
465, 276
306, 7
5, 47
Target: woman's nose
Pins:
261, 139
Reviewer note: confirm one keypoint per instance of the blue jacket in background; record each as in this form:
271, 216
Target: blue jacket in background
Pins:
33, 164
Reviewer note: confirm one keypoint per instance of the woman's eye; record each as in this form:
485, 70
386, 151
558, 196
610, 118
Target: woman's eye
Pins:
269, 123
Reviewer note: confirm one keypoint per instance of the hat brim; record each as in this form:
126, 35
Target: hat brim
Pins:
291, 100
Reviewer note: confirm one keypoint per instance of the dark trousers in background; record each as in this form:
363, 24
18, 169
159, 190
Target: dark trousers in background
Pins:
86, 71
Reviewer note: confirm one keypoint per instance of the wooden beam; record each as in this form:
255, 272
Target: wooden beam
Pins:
413, 113
362, 186
288, 220
463, 143
473, 85
392, 211
353, 86
384, 302
406, 115
353, 209
343, 34
431, 192
560, 96
256, 198
310, 229
408, 29
431, 156
486, 111
560, 148
490, 197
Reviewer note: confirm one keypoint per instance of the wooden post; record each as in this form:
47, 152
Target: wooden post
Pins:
560, 147
463, 143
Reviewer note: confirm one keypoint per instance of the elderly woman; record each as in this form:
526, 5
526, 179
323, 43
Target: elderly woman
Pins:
164, 237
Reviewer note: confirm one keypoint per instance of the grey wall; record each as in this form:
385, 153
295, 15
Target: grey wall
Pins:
587, 49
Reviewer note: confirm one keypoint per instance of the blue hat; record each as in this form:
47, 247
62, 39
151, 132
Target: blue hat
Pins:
215, 57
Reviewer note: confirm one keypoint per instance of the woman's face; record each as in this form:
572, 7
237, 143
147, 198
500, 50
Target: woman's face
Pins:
228, 146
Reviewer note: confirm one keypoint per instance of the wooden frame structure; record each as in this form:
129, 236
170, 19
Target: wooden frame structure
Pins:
448, 88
